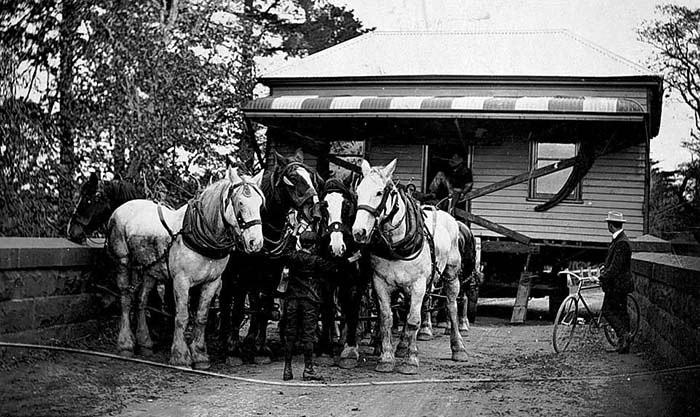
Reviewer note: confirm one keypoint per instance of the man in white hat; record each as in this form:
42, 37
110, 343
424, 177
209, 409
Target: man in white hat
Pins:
616, 281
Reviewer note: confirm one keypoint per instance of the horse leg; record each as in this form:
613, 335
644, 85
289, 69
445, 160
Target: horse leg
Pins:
459, 352
198, 347
263, 353
387, 361
143, 336
350, 297
426, 325
327, 325
125, 340
179, 352
234, 356
463, 307
411, 363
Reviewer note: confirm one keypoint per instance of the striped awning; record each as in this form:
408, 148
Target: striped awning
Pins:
558, 107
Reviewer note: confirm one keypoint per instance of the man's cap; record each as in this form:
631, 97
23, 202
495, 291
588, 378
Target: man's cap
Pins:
615, 216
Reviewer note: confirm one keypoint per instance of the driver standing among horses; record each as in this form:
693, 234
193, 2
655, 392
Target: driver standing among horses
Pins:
302, 302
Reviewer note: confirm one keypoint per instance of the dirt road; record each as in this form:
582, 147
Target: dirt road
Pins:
512, 371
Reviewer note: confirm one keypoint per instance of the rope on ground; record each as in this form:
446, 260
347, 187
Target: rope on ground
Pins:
357, 384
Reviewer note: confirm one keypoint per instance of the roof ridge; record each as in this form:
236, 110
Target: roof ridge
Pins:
619, 58
321, 53
468, 31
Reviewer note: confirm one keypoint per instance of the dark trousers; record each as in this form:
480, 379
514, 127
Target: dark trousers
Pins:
301, 320
615, 312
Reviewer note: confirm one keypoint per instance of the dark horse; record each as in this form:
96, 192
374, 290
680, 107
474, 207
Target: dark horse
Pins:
98, 200
340, 205
287, 184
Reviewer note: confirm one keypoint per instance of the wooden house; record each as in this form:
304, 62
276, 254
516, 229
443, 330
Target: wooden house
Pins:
555, 128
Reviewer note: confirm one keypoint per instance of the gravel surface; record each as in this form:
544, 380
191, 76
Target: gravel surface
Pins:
512, 371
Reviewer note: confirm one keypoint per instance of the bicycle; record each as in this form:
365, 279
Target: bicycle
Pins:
568, 318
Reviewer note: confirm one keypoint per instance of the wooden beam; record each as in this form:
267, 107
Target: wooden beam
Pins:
526, 176
517, 236
315, 147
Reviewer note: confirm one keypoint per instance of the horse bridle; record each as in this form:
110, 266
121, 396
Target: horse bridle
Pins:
339, 225
236, 189
99, 196
379, 212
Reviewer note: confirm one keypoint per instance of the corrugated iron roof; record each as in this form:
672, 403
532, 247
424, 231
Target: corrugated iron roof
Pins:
538, 53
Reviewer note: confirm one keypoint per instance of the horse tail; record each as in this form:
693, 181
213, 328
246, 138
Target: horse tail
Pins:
467, 247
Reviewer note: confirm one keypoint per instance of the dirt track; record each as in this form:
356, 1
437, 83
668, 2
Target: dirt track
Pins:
519, 358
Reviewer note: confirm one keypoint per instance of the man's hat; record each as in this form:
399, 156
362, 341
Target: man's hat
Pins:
615, 216
455, 160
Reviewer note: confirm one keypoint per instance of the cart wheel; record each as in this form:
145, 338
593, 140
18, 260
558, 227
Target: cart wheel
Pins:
565, 324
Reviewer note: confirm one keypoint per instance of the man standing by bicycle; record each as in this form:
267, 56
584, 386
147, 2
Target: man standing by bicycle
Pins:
616, 281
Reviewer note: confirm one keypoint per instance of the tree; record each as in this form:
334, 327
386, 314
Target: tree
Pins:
675, 37
147, 91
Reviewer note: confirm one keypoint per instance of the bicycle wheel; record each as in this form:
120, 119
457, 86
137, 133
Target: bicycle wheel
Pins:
633, 311
565, 324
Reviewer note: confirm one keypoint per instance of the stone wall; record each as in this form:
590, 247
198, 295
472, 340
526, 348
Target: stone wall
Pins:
45, 290
667, 286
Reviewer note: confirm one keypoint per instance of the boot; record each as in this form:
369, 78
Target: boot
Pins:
309, 372
624, 345
287, 375
288, 349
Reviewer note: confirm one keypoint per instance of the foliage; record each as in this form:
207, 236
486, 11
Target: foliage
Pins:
671, 209
675, 36
150, 92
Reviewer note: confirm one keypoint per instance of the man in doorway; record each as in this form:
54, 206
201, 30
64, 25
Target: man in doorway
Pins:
616, 281
453, 183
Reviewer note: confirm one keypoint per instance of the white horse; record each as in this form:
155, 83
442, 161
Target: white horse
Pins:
191, 246
401, 259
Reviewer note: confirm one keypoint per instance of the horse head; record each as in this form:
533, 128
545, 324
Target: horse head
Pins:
376, 195
92, 210
297, 182
340, 206
243, 207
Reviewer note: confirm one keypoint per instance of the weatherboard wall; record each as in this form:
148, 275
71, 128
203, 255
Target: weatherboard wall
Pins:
615, 182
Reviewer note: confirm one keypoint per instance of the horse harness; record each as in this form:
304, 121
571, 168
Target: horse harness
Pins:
335, 185
196, 231
410, 246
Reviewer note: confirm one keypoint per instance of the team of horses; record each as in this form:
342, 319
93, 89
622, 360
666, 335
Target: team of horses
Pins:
228, 240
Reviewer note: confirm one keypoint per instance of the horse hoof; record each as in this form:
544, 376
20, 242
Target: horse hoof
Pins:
126, 353
348, 363
201, 366
463, 330
385, 367
424, 336
262, 360
407, 369
234, 361
460, 356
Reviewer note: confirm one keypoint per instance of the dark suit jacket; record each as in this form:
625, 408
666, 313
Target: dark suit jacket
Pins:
617, 277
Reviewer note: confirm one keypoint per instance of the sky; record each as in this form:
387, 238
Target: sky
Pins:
609, 23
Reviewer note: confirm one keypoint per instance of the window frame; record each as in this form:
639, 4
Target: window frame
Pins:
576, 195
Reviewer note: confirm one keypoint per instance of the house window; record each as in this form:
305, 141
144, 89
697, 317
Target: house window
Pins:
349, 150
543, 154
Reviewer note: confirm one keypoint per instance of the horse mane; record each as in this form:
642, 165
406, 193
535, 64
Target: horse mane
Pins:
210, 201
119, 192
